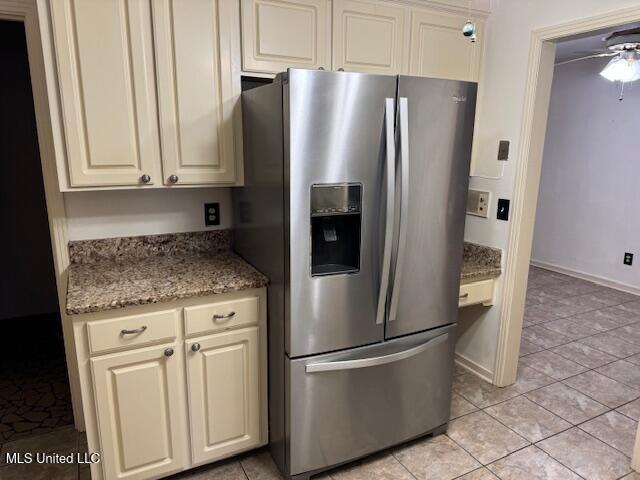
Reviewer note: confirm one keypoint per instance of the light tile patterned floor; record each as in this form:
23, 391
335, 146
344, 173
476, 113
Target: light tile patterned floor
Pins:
572, 413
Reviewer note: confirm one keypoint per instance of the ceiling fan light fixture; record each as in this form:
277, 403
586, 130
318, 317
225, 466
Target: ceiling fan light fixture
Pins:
623, 68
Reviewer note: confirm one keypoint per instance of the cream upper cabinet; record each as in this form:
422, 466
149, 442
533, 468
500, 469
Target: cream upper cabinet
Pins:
278, 34
104, 55
223, 379
438, 48
198, 89
370, 36
140, 412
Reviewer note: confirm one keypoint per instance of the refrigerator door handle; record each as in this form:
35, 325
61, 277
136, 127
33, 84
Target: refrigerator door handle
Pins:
403, 124
388, 231
375, 361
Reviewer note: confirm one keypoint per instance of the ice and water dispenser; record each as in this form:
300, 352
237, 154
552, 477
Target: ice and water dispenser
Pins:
336, 217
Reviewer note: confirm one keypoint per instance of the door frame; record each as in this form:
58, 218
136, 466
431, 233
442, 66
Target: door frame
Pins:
527, 183
26, 11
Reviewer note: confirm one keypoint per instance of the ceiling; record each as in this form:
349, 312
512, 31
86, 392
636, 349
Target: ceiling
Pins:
585, 44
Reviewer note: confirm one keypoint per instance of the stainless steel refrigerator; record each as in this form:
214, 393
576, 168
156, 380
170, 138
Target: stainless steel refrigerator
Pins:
354, 206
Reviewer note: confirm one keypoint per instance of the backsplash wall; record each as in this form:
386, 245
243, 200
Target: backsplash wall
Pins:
127, 213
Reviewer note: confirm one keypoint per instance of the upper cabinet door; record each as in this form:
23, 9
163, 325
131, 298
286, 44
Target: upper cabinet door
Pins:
279, 34
198, 89
438, 48
104, 54
370, 36
140, 412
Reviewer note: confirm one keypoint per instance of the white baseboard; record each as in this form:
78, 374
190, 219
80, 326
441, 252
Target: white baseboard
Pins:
473, 367
605, 282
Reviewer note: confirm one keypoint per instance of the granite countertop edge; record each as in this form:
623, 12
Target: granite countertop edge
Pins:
119, 304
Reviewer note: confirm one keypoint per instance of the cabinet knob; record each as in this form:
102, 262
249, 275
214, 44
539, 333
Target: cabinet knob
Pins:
145, 178
320, 68
168, 352
195, 347
173, 178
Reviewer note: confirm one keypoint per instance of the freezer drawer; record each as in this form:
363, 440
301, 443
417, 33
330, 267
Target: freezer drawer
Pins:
344, 405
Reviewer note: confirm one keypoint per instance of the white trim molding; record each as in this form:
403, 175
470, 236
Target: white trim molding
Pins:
532, 134
26, 11
473, 367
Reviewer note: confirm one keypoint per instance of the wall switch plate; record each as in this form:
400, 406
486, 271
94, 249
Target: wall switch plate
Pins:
628, 258
503, 150
503, 209
211, 214
478, 203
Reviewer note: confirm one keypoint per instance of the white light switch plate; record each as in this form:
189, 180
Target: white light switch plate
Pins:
478, 203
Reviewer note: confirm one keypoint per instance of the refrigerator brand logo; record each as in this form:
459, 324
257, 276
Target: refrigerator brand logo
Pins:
459, 99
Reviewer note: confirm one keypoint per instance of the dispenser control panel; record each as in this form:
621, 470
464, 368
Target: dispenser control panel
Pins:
335, 199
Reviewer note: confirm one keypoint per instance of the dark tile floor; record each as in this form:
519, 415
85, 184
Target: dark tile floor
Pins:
34, 389
572, 414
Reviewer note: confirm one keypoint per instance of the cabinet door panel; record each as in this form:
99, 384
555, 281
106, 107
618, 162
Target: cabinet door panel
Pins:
438, 48
140, 412
278, 34
198, 92
224, 393
369, 37
104, 54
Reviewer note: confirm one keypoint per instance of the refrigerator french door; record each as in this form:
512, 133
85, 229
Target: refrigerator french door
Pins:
353, 205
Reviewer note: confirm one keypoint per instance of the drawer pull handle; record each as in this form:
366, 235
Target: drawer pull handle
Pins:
464, 295
134, 331
228, 316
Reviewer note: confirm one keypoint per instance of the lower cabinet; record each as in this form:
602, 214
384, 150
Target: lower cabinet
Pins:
140, 410
170, 386
224, 391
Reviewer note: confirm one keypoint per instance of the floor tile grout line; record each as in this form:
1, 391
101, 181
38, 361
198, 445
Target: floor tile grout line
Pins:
634, 387
403, 465
589, 433
595, 438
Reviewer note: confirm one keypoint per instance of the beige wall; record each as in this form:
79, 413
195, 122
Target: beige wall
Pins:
501, 97
128, 213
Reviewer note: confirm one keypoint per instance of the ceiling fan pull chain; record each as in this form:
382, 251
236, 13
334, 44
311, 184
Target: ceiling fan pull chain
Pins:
621, 97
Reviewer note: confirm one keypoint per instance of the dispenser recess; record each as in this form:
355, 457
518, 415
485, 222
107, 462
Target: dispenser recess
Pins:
336, 217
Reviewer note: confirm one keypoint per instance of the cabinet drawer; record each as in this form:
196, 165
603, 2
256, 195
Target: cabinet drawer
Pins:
133, 330
476, 292
220, 315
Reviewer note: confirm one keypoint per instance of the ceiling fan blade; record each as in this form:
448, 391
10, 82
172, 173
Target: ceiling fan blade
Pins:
596, 55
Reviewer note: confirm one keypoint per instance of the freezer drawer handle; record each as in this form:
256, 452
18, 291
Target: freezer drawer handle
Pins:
376, 361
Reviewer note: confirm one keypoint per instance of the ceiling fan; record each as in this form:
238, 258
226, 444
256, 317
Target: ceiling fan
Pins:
624, 47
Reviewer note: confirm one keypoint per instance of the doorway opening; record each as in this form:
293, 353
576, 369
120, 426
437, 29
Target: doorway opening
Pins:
582, 309
34, 387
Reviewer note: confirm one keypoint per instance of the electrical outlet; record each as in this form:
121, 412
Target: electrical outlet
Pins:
478, 203
503, 209
628, 258
211, 214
